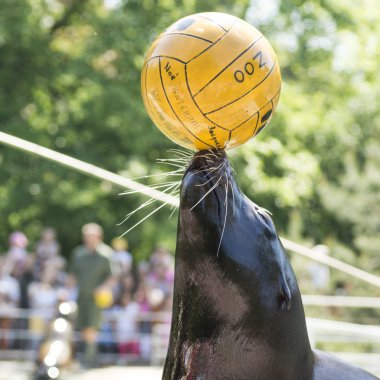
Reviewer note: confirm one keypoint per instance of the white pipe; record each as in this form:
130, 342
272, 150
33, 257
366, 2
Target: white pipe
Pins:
341, 301
86, 168
331, 262
336, 327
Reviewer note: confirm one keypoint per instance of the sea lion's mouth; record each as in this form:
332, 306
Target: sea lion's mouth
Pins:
210, 166
204, 159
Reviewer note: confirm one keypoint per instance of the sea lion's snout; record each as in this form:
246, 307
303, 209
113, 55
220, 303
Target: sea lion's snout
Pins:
207, 164
204, 181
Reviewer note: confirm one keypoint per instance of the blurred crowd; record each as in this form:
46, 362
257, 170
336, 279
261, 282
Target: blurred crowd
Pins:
38, 279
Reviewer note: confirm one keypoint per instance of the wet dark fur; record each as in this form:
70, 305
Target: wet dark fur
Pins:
237, 313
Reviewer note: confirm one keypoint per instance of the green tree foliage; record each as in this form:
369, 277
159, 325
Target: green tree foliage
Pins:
70, 80
316, 166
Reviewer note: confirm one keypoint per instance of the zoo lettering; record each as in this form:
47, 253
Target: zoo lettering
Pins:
249, 68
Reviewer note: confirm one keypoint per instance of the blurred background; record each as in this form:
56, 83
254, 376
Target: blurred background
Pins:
70, 81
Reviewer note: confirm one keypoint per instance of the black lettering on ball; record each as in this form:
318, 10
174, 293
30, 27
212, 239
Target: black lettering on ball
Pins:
239, 76
249, 68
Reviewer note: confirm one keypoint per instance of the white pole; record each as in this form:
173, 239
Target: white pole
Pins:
86, 168
331, 262
341, 301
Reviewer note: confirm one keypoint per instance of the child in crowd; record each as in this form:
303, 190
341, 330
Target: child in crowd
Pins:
121, 257
125, 319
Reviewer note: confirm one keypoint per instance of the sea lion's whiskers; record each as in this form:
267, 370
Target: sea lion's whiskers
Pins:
146, 217
173, 173
175, 159
179, 162
145, 204
205, 183
174, 191
233, 201
225, 215
213, 153
210, 190
205, 155
176, 165
159, 186
209, 169
172, 213
180, 152
168, 187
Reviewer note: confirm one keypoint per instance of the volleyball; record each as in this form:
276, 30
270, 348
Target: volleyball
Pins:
210, 80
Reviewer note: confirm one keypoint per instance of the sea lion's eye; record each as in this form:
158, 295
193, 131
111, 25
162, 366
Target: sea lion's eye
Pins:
269, 233
285, 297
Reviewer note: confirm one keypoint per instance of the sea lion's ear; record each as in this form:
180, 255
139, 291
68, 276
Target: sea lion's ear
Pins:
285, 297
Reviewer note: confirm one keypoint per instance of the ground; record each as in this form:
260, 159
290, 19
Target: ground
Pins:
22, 370
13, 370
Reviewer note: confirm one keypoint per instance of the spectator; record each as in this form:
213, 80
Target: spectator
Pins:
17, 254
126, 283
8, 284
43, 298
142, 298
9, 298
121, 256
125, 318
47, 248
25, 278
7, 309
161, 280
91, 271
56, 265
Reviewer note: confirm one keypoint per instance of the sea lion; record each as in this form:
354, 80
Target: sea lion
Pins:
237, 312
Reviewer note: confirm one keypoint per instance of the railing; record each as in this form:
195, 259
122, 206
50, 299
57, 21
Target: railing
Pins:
352, 339
23, 342
346, 340
20, 341
22, 336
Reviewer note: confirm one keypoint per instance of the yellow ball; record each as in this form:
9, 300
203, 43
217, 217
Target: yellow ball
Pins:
210, 80
104, 298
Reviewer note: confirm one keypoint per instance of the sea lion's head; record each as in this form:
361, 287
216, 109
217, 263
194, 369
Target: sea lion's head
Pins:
219, 224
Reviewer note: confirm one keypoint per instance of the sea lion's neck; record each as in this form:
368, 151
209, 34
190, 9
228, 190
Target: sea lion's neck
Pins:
219, 319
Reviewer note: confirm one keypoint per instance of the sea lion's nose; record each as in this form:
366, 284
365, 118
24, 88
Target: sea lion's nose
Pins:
204, 159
